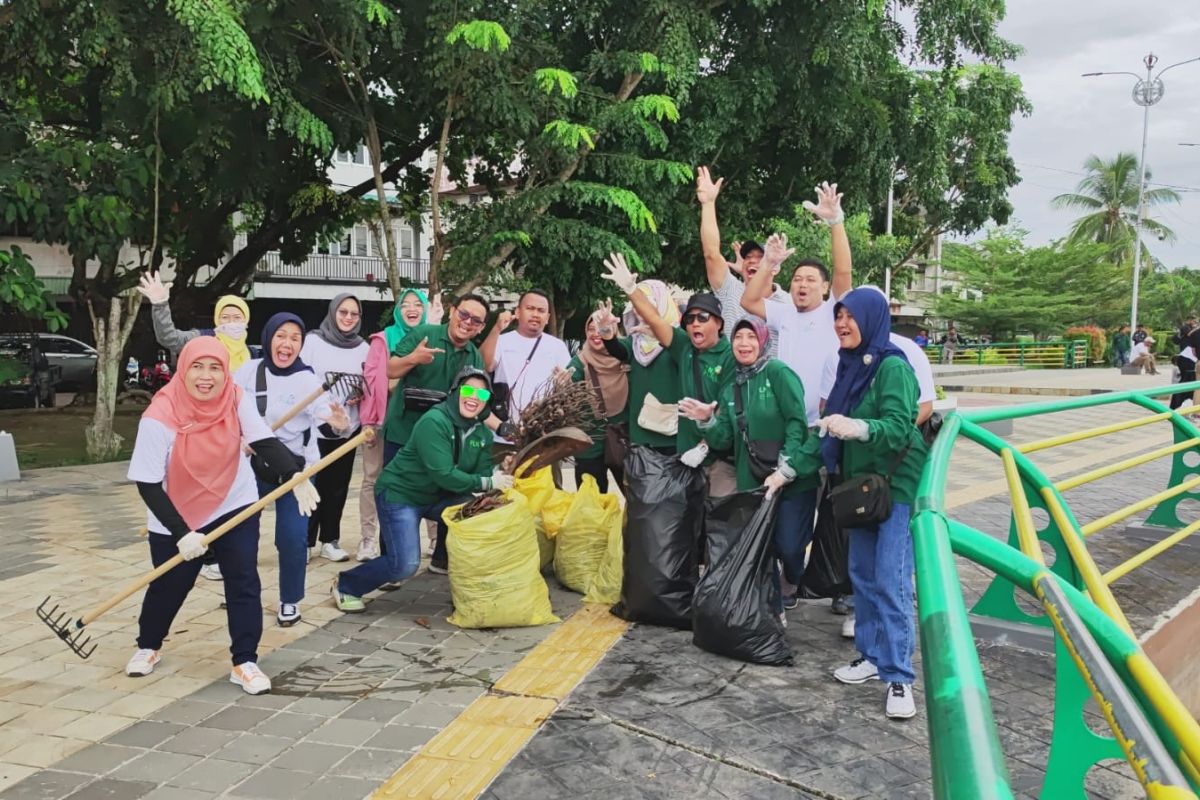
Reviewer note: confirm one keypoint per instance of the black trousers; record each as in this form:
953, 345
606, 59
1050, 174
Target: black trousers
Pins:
333, 484
1187, 373
237, 553
596, 468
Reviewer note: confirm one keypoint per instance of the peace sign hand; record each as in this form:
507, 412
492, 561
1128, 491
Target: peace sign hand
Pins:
423, 353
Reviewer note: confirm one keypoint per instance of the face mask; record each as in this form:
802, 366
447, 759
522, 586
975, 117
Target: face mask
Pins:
234, 330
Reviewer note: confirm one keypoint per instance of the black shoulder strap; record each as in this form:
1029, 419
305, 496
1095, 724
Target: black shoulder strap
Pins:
740, 414
260, 389
532, 350
699, 387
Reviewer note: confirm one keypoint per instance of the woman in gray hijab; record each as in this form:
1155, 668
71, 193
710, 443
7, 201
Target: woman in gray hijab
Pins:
335, 346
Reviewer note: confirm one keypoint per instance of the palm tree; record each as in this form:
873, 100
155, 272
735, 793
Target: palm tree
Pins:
1109, 192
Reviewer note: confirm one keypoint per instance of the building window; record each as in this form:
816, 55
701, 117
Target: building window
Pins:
360, 240
342, 157
404, 241
360, 154
340, 247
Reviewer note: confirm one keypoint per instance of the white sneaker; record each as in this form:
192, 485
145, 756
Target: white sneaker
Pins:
289, 615
142, 663
308, 555
783, 618
331, 552
250, 678
367, 549
848, 628
857, 671
900, 702
212, 572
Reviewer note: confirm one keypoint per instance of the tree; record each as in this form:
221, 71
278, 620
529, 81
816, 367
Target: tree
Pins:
1007, 287
1109, 192
22, 291
1169, 298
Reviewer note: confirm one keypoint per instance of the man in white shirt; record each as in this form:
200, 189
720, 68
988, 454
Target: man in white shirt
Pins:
728, 288
803, 325
1141, 356
525, 359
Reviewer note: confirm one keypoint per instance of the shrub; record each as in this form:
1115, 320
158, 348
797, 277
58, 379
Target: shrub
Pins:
1096, 338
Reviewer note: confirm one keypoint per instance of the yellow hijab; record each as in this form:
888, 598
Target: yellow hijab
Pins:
238, 352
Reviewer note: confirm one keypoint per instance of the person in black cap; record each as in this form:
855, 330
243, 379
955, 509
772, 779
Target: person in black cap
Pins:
748, 255
705, 362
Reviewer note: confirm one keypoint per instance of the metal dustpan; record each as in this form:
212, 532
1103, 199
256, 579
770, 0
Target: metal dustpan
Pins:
550, 449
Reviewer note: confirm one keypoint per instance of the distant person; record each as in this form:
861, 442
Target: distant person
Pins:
1140, 334
922, 338
1143, 358
1121, 345
950, 342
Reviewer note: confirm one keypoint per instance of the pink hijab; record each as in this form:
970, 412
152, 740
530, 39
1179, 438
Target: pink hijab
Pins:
204, 460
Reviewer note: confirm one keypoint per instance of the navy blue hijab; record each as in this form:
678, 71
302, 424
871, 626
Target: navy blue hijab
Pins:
856, 368
273, 324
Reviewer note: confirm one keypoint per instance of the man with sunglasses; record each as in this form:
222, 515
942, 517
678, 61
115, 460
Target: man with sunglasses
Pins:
705, 362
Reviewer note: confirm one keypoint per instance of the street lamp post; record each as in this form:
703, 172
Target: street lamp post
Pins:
1146, 92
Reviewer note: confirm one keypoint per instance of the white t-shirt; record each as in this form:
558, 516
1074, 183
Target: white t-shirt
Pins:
324, 357
806, 342
916, 359
527, 382
152, 453
730, 294
283, 392
1139, 349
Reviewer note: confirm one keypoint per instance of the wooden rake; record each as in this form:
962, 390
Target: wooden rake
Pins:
72, 631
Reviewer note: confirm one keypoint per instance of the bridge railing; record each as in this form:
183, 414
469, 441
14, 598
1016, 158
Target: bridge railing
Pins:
1055, 354
1096, 652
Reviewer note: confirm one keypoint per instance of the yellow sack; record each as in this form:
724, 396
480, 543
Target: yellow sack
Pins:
545, 545
606, 585
536, 488
555, 511
494, 577
582, 541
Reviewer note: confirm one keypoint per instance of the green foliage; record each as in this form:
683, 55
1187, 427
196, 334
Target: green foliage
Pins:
480, 34
21, 290
549, 79
1007, 287
1094, 335
872, 253
224, 50
1169, 298
570, 135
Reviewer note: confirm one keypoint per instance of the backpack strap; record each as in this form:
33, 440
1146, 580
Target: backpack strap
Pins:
260, 389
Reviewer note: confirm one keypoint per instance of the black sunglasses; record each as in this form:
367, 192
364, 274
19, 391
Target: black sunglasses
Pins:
697, 316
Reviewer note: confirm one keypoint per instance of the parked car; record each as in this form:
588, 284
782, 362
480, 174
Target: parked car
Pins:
27, 378
76, 360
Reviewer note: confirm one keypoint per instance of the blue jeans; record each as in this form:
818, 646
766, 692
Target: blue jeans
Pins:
794, 531
390, 449
881, 572
400, 537
291, 541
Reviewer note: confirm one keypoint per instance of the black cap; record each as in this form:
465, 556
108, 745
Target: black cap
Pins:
750, 246
704, 301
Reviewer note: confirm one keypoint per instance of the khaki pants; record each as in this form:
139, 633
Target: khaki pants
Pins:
722, 479
1146, 362
372, 466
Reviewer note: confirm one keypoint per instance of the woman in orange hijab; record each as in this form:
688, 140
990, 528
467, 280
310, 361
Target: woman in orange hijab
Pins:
192, 474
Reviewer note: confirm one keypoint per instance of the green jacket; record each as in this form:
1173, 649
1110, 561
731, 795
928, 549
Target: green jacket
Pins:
439, 374
426, 469
716, 372
890, 408
661, 379
773, 401
578, 374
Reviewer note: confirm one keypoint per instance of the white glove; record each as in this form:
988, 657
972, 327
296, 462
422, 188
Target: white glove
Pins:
842, 427
501, 480
191, 545
776, 481
618, 273
433, 314
695, 457
693, 409
306, 497
153, 289
828, 207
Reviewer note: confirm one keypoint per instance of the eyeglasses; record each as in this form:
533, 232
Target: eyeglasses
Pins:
476, 392
697, 316
468, 318
348, 314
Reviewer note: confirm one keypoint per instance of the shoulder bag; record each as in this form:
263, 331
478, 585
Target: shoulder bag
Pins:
864, 500
616, 434
502, 392
763, 454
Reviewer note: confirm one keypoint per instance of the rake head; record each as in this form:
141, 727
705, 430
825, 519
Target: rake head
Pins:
64, 628
345, 386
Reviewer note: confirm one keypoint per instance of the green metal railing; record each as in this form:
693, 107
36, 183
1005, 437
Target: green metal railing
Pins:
1055, 354
1096, 652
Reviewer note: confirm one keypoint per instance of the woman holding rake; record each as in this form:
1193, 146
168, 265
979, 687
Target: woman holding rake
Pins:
191, 472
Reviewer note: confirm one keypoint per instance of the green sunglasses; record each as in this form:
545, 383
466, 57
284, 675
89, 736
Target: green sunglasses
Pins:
477, 392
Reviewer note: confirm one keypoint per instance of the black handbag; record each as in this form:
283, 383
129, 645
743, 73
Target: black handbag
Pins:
763, 454
864, 500
421, 400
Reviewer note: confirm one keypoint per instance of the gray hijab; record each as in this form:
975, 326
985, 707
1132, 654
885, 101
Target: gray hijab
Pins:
329, 330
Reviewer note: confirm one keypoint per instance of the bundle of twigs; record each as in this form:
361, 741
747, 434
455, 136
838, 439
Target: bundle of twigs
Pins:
561, 403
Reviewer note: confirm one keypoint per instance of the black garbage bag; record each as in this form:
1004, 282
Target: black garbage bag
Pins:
725, 518
733, 613
828, 571
664, 517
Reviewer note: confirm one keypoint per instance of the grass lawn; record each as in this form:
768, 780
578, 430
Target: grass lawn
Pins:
54, 438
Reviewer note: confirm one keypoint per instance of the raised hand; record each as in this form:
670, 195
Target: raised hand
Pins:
423, 353
737, 265
828, 207
153, 289
606, 320
706, 189
776, 252
619, 273
503, 320
433, 314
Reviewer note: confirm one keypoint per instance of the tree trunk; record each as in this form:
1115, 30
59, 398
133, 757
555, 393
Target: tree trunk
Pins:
111, 331
437, 253
385, 217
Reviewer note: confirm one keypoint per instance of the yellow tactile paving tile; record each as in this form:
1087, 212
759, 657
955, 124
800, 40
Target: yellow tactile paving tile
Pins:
472, 750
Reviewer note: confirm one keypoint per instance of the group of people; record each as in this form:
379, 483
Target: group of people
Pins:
793, 389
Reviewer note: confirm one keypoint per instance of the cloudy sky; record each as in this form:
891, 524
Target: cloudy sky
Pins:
1075, 116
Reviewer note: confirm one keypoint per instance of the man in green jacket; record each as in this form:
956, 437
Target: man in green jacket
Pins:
705, 363
447, 457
